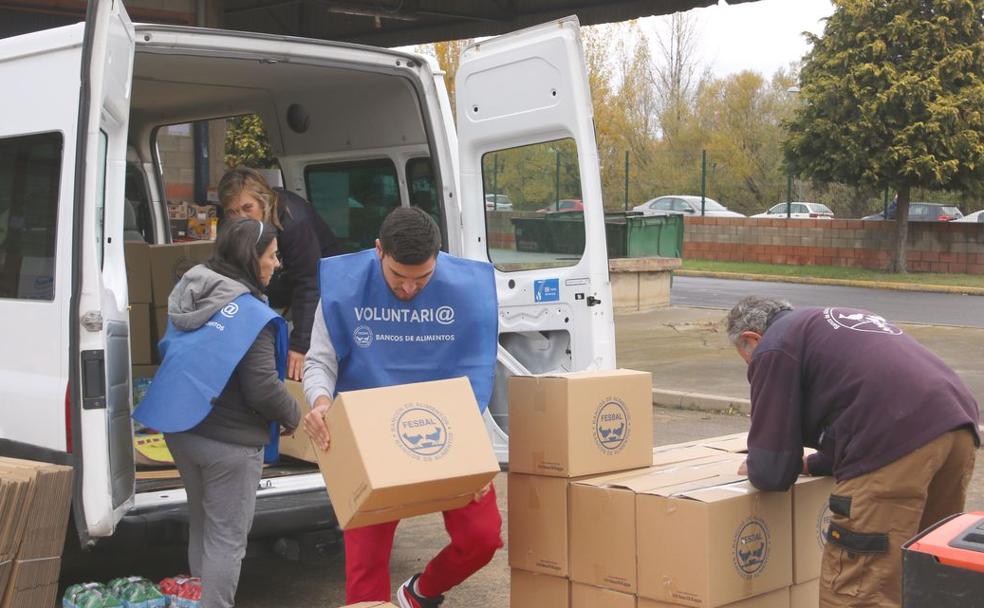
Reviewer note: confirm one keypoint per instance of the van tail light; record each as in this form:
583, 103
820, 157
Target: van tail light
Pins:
68, 419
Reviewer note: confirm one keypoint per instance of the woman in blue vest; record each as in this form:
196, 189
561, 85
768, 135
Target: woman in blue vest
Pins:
217, 393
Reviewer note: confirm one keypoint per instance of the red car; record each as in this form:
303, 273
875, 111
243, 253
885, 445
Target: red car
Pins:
563, 205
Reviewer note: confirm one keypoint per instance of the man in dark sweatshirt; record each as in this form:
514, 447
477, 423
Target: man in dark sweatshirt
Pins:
891, 422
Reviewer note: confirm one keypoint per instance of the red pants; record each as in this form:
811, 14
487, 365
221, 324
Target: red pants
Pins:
475, 537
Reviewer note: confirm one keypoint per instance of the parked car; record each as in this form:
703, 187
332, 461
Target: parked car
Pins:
564, 205
975, 217
676, 204
800, 210
498, 202
922, 212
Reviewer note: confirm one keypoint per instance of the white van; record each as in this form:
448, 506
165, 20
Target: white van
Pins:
85, 114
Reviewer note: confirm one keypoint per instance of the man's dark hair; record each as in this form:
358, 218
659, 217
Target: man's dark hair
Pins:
410, 236
238, 249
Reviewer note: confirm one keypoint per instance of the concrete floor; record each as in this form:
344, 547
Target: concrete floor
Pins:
684, 348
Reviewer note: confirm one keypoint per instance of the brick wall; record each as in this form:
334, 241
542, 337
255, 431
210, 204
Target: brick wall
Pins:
933, 246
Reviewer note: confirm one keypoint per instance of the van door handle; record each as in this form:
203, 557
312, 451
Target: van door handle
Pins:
93, 380
593, 301
92, 321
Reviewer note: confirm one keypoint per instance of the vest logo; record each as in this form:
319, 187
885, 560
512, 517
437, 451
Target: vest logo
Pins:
229, 310
422, 431
362, 336
823, 523
611, 426
444, 315
751, 547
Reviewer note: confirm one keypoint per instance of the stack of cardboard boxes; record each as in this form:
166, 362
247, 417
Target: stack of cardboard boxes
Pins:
563, 428
678, 528
34, 504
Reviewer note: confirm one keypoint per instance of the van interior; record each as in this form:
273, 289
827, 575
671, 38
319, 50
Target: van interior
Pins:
349, 137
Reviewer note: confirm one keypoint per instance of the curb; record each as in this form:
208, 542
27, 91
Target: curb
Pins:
684, 400
951, 289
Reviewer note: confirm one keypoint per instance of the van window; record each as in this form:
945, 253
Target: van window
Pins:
542, 226
423, 190
29, 179
353, 198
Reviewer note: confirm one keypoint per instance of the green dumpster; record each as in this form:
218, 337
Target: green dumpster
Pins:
632, 235
531, 234
565, 232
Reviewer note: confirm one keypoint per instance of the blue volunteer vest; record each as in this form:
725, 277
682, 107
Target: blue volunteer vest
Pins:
448, 330
198, 364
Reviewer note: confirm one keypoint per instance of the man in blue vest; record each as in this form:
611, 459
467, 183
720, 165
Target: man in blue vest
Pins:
400, 313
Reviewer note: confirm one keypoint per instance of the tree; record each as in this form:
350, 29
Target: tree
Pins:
246, 143
892, 96
676, 75
448, 55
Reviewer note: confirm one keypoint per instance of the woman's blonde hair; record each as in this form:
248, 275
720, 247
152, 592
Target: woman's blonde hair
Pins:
243, 179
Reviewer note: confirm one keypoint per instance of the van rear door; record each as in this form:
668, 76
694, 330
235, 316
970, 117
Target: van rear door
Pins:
526, 136
65, 370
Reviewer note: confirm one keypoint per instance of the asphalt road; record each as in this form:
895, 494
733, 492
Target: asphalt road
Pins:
901, 306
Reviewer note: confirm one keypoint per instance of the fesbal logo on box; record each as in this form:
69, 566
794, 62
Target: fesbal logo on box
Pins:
823, 523
422, 431
612, 425
751, 547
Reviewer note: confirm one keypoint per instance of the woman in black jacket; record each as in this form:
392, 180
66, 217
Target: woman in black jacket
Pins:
304, 239
222, 340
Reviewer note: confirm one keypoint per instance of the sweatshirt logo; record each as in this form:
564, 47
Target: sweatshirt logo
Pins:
443, 315
857, 320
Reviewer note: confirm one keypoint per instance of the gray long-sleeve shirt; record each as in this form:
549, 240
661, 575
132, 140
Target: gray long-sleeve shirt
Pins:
321, 362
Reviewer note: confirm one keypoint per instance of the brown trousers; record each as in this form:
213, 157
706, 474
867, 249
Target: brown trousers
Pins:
873, 515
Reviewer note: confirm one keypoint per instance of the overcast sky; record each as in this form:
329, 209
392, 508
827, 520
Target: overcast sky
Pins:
761, 36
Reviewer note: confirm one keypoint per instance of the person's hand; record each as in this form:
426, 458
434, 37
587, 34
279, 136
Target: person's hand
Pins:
806, 466
295, 365
743, 468
314, 423
481, 493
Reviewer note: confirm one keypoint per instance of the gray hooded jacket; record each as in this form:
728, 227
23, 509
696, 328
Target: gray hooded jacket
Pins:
254, 395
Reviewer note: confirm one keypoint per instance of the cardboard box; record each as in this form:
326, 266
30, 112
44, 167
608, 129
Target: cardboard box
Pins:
805, 595
532, 590
47, 506
586, 596
680, 455
298, 445
140, 334
736, 443
159, 327
169, 262
713, 546
538, 524
811, 518
144, 371
33, 584
585, 423
604, 518
137, 257
405, 450
773, 599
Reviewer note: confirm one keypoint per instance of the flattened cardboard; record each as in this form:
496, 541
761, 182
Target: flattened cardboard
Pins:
298, 445
773, 599
713, 546
811, 517
538, 524
585, 423
47, 507
140, 334
679, 455
33, 584
805, 595
736, 443
405, 450
137, 259
532, 590
586, 596
169, 262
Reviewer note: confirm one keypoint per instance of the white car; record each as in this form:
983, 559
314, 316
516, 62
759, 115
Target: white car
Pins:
976, 217
676, 204
801, 210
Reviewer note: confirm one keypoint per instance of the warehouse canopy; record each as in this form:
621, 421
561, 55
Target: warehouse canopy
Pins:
405, 22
